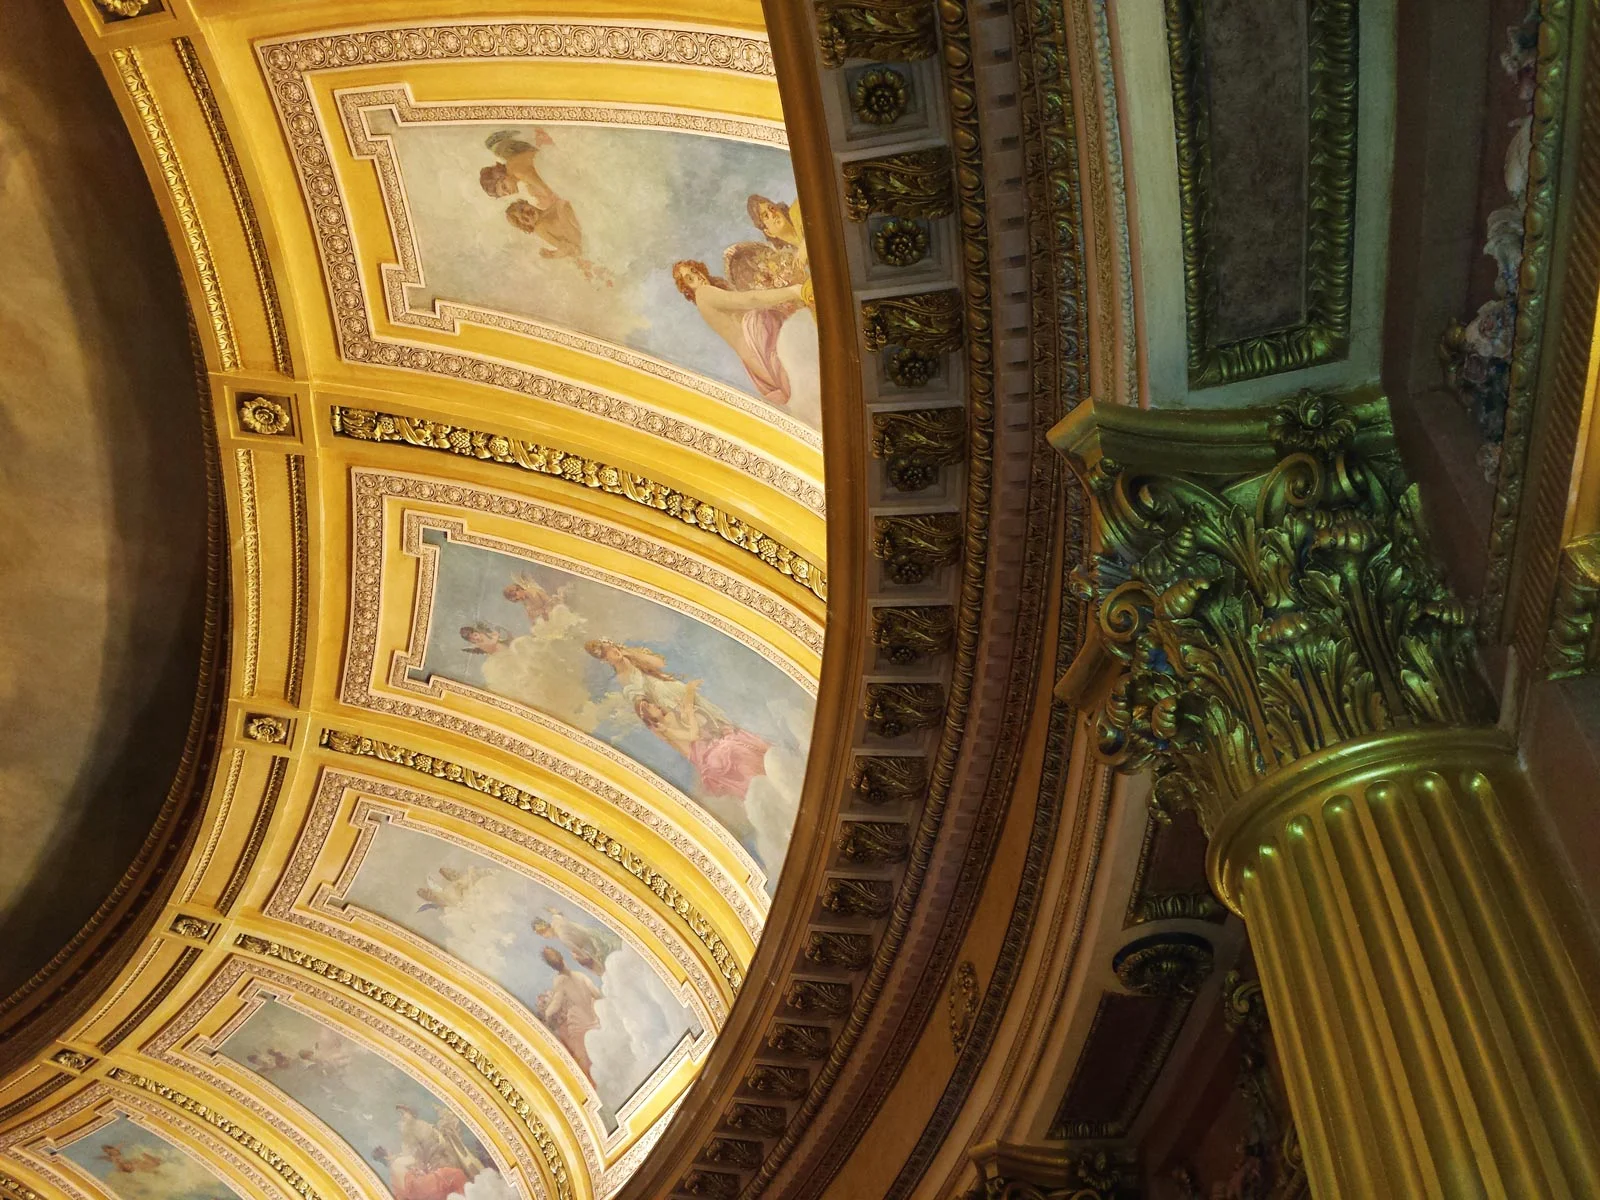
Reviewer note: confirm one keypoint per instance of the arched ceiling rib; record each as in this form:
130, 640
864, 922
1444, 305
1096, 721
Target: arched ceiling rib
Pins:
528, 557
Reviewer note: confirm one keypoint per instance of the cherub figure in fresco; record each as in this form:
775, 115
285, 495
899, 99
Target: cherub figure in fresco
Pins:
484, 638
449, 886
541, 210
567, 1008
434, 1161
589, 944
126, 1164
272, 1059
748, 320
329, 1054
539, 603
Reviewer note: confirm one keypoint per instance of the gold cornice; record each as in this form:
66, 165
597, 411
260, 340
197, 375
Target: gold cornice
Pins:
603, 843
17, 1189
555, 1162
368, 426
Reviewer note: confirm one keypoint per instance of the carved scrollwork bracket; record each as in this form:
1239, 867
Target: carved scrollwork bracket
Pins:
1249, 618
918, 183
895, 30
914, 546
917, 443
910, 634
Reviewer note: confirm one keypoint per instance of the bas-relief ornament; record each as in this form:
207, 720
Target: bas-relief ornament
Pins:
1323, 334
712, 1185
365, 425
895, 709
880, 96
756, 1118
927, 322
818, 996
1251, 623
871, 898
880, 779
896, 30
916, 443
739, 1153
908, 635
264, 415
788, 1082
914, 546
848, 951
1165, 964
963, 1004
874, 842
803, 1041
187, 926
901, 242
1198, 905
265, 727
1574, 645
17, 1189
74, 1060
917, 183
122, 10
1027, 1174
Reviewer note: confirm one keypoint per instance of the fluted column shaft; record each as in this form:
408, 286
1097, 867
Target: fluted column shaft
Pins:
1435, 1019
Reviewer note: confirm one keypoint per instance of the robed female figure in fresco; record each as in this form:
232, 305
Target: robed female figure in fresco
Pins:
725, 756
567, 1008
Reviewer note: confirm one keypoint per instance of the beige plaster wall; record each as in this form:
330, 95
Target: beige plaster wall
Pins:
101, 493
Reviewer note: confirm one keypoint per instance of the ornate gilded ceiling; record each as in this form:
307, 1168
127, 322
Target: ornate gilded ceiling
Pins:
512, 358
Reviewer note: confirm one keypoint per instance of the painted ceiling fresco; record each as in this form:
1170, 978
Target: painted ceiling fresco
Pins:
513, 362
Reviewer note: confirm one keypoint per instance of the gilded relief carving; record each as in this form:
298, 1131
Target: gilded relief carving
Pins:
910, 634
916, 443
879, 779
928, 322
915, 184
901, 242
818, 996
827, 948
873, 842
895, 709
896, 30
364, 425
265, 415
1574, 645
870, 898
880, 96
914, 546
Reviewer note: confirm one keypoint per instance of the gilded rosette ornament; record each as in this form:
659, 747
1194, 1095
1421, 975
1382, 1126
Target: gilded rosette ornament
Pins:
1254, 620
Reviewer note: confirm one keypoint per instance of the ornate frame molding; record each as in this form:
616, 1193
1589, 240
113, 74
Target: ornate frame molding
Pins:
1324, 332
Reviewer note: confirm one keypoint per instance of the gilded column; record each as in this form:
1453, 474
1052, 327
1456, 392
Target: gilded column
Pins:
1277, 645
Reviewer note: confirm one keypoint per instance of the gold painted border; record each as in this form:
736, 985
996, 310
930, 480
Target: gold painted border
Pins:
255, 244
1323, 335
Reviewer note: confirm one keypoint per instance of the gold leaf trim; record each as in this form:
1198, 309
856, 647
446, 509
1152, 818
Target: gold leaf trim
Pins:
299, 612
555, 1162
592, 835
204, 1112
255, 245
368, 426
250, 537
194, 234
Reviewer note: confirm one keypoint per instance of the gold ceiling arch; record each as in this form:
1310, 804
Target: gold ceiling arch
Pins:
399, 459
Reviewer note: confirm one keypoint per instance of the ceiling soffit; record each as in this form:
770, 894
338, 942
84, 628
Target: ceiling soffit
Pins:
530, 580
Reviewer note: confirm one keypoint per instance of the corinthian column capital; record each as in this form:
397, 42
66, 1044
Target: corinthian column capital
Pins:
1263, 592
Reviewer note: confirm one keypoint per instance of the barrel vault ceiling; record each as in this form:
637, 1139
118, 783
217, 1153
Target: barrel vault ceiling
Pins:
512, 365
